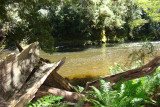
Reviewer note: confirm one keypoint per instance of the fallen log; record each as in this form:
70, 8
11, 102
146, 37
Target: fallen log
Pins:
54, 76
54, 79
27, 92
21, 76
15, 69
68, 96
142, 71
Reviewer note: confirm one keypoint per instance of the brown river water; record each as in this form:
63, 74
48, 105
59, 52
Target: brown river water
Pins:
96, 60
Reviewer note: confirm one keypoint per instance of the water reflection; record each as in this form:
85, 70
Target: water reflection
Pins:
95, 61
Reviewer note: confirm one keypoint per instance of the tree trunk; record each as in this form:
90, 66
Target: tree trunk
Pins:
68, 96
58, 80
27, 92
19, 47
15, 69
21, 76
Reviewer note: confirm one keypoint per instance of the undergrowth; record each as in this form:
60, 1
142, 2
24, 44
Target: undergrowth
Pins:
133, 93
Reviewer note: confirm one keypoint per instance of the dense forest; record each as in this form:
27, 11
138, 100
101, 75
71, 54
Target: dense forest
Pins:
73, 22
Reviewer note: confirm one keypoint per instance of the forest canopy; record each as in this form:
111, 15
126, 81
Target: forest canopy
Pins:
73, 22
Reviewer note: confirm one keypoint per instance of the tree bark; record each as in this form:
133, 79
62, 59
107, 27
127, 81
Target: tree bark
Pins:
21, 76
68, 96
27, 92
15, 69
55, 77
19, 47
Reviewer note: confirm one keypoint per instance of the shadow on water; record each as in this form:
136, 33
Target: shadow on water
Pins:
70, 49
83, 81
78, 48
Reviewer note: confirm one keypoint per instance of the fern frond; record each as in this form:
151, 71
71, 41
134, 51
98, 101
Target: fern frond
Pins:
46, 101
97, 92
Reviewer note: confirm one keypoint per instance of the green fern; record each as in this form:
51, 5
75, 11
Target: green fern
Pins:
48, 101
133, 93
79, 89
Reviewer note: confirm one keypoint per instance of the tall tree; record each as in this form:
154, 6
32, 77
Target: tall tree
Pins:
152, 7
31, 23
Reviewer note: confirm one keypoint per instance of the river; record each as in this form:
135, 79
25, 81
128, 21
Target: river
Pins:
96, 60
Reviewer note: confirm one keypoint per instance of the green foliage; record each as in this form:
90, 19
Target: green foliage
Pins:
148, 32
48, 101
71, 21
149, 29
133, 93
79, 89
37, 23
116, 69
151, 7
145, 51
25, 21
53, 22
118, 18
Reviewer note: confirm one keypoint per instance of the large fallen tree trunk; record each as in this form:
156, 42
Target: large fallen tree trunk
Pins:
59, 81
27, 92
21, 76
15, 69
147, 69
